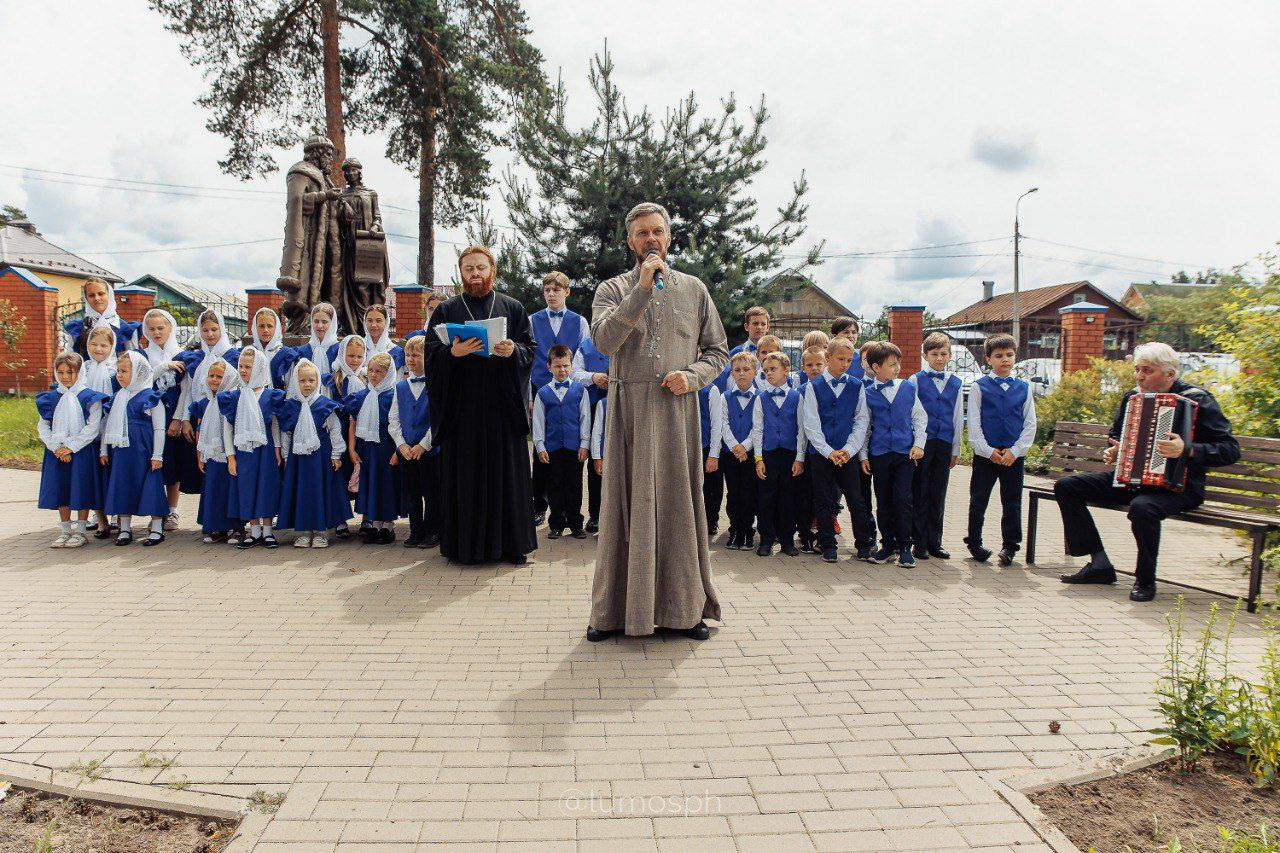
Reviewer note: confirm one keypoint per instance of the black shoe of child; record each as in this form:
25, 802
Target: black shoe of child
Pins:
578, 534
365, 527
732, 542
248, 542
884, 555
920, 552
765, 549
940, 552
906, 558
125, 538
539, 517
978, 552
153, 538
386, 536
370, 536
1142, 592
790, 549
269, 541
1005, 557
553, 533
429, 542
104, 533
413, 540
747, 542
593, 526
806, 545
829, 555
342, 532
864, 554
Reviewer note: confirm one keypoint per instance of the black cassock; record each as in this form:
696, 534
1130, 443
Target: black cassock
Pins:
482, 425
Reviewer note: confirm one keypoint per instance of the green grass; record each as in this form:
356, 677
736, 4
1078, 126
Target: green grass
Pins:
18, 437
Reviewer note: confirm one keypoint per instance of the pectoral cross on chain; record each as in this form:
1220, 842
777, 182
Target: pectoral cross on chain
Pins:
653, 348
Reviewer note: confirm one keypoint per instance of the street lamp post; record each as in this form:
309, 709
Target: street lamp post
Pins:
1017, 263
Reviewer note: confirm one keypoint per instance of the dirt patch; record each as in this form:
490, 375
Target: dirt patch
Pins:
1145, 809
20, 462
92, 828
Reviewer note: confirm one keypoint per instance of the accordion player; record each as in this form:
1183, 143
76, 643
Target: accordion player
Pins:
1149, 418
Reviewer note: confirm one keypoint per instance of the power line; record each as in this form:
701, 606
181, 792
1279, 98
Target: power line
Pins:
1078, 263
966, 279
1119, 255
137, 181
892, 252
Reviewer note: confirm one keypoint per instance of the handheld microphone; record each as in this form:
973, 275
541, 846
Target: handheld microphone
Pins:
657, 276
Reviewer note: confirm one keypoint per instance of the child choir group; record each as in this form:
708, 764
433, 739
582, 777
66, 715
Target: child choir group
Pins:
278, 438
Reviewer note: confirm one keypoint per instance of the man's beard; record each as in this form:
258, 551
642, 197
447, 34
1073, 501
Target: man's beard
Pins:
478, 289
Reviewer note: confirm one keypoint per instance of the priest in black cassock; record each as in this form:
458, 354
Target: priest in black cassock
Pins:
481, 424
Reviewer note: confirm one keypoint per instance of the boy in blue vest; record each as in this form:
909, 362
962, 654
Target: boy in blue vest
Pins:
778, 437
811, 367
896, 442
738, 464
554, 325
409, 425
1002, 425
756, 324
591, 368
561, 437
941, 394
835, 424
711, 421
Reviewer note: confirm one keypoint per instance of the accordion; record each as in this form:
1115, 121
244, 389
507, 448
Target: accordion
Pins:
1149, 418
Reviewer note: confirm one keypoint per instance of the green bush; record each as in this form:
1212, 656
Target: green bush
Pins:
1089, 396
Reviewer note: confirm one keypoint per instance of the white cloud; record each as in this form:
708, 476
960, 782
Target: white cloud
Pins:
1006, 151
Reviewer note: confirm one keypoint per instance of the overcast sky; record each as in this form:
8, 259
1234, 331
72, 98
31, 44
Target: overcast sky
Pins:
1150, 129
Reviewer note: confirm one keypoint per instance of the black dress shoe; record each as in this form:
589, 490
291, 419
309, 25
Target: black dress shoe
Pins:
429, 542
578, 534
154, 538
269, 541
697, 632
125, 538
516, 559
791, 550
980, 553
732, 542
1141, 592
594, 636
413, 541
765, 550
370, 536
940, 552
593, 526
1006, 555
921, 552
539, 517
1091, 574
103, 533
553, 534
386, 536
249, 542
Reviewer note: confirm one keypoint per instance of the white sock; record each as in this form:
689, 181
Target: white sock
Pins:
266, 530
157, 525
126, 524
65, 526
78, 526
255, 530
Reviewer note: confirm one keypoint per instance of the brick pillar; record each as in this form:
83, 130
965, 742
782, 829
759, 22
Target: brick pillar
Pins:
36, 302
133, 301
263, 297
906, 329
1082, 327
410, 308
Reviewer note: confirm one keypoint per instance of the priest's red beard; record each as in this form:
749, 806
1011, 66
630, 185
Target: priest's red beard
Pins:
478, 289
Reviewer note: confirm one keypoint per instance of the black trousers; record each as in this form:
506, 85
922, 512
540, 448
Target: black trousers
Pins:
802, 499
1147, 508
865, 487
540, 498
740, 489
712, 490
985, 475
776, 498
929, 492
564, 489
829, 483
420, 485
891, 473
593, 492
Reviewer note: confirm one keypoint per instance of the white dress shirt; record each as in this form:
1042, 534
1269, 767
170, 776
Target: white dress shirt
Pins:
394, 429
957, 416
580, 372
757, 424
813, 422
715, 412
86, 436
540, 419
919, 417
597, 430
979, 441
726, 432
557, 322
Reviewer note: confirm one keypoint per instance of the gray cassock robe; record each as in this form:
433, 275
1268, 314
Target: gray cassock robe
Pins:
652, 564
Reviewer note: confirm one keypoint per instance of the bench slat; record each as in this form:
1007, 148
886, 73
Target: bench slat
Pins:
1217, 482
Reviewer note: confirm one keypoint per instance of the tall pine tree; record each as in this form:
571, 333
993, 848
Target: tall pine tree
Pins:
584, 181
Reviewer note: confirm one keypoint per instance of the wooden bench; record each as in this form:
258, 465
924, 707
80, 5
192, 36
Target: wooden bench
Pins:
1244, 496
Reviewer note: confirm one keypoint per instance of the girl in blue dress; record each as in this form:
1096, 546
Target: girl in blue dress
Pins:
133, 440
99, 374
168, 368
378, 499
314, 497
215, 345
99, 310
322, 348
347, 378
267, 339
215, 517
70, 420
252, 439
377, 337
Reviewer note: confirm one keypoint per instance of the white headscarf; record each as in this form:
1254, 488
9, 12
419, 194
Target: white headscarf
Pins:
320, 348
68, 417
209, 442
116, 432
109, 316
251, 428
305, 438
277, 339
200, 375
369, 421
340, 367
97, 374
382, 344
159, 355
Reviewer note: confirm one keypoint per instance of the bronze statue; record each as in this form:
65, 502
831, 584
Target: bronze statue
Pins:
311, 267
365, 268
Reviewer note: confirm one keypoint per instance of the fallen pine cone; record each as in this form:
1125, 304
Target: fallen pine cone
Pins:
1054, 727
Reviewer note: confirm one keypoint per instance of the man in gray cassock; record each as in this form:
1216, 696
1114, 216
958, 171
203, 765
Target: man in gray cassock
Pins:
653, 568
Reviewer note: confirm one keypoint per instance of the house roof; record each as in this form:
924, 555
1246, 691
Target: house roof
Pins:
23, 246
1149, 289
808, 282
195, 293
1000, 308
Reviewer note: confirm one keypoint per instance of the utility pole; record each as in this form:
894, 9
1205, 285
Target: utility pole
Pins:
1017, 263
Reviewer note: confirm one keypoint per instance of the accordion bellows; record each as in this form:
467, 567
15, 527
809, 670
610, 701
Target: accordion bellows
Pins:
1149, 418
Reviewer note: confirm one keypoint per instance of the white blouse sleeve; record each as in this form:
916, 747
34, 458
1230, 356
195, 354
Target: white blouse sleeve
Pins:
92, 425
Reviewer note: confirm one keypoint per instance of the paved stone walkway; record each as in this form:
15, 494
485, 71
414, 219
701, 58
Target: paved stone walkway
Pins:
401, 702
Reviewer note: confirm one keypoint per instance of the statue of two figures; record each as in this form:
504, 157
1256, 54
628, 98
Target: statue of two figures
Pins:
334, 247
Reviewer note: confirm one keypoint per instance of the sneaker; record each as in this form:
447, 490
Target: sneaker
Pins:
171, 523
732, 542
429, 541
593, 526
747, 542
807, 546
906, 559
553, 533
320, 542
884, 555
61, 541
864, 554
790, 549
76, 540
235, 537
829, 555
302, 542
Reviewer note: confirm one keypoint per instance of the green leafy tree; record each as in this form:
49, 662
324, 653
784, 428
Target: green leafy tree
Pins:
13, 326
569, 216
9, 213
1248, 327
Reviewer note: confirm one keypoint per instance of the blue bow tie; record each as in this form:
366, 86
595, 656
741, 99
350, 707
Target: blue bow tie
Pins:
888, 384
562, 384
417, 379
935, 375
555, 313
840, 380
746, 395
777, 392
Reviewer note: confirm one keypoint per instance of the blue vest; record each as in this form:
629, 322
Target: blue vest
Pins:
1002, 411
836, 413
593, 361
940, 407
415, 415
780, 422
570, 335
704, 411
562, 427
891, 422
739, 417
855, 368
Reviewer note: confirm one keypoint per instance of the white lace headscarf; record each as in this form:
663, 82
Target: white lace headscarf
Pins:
109, 316
68, 417
210, 440
116, 431
369, 421
160, 354
251, 427
277, 339
382, 344
98, 374
341, 368
320, 348
200, 375
305, 438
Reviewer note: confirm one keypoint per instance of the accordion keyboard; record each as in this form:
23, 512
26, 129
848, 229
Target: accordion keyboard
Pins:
1164, 426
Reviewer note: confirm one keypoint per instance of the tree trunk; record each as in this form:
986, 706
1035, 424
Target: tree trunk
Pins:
427, 204
334, 126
